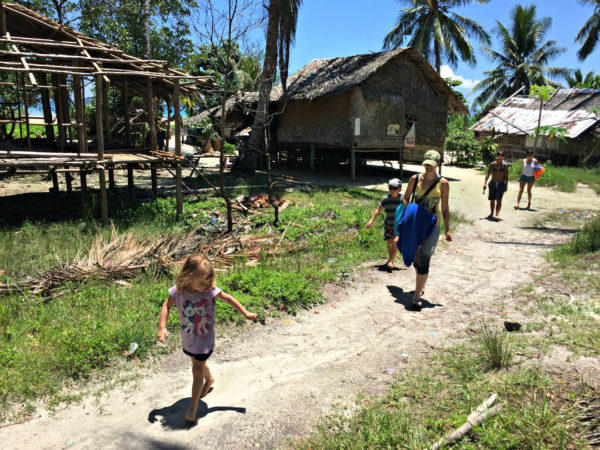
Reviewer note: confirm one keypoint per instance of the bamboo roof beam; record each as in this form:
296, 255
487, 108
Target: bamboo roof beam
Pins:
80, 57
57, 44
84, 52
15, 49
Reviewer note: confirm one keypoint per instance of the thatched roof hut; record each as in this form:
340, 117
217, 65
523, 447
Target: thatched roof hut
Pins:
515, 120
386, 105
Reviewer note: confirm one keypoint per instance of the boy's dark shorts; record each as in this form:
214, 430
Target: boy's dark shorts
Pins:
200, 356
388, 233
496, 190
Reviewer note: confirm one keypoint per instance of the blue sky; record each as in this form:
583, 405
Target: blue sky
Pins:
332, 28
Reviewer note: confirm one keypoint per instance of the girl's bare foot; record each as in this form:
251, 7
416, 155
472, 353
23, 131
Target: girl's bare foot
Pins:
189, 420
389, 265
207, 387
516, 206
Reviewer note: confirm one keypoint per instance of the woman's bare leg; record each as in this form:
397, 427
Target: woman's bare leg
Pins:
521, 187
529, 186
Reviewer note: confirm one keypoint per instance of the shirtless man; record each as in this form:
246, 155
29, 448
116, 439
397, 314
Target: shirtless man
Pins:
498, 185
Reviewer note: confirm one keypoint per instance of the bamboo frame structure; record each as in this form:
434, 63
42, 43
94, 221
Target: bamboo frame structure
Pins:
34, 47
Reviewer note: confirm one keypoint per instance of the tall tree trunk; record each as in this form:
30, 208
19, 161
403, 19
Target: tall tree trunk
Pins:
256, 142
147, 26
436, 51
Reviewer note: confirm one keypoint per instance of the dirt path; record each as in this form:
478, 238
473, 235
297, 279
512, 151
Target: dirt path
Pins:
277, 380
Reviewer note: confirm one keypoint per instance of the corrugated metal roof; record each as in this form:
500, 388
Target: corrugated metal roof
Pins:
519, 115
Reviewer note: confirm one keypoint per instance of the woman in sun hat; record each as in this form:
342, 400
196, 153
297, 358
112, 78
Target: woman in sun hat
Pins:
430, 191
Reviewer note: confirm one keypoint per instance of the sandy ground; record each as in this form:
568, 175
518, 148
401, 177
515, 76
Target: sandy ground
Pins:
277, 380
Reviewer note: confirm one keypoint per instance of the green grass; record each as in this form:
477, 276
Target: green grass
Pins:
45, 345
541, 408
564, 178
34, 130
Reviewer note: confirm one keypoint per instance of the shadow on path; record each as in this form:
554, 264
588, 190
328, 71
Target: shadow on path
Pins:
172, 417
406, 299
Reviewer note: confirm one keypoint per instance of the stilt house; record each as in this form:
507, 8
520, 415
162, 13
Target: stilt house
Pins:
513, 124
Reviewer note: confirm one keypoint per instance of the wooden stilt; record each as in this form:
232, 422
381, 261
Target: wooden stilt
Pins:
130, 178
55, 186
312, 158
2, 23
111, 178
352, 164
126, 113
19, 109
84, 192
154, 177
100, 139
68, 181
177, 119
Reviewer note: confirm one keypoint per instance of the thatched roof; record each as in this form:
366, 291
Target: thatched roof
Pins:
324, 77
38, 44
567, 108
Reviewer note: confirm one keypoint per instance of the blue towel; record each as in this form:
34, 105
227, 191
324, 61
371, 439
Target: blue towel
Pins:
414, 227
399, 215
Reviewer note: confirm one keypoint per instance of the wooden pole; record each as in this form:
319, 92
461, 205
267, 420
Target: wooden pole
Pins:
84, 116
154, 177
151, 118
58, 104
19, 117
79, 105
168, 125
83, 182
177, 119
68, 181
2, 22
352, 164
130, 183
26, 105
55, 187
312, 158
126, 113
111, 177
106, 112
100, 140
47, 109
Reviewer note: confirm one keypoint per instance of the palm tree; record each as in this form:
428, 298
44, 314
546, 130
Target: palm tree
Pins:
281, 30
589, 34
591, 80
524, 61
435, 31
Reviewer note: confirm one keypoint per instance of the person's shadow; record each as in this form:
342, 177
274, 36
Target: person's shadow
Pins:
406, 299
172, 417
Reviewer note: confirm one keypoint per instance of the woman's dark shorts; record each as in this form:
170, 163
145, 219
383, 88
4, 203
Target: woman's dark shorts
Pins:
200, 356
496, 190
527, 179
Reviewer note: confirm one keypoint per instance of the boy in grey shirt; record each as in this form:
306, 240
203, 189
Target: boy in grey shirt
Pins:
389, 203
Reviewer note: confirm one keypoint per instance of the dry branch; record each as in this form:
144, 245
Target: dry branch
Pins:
474, 419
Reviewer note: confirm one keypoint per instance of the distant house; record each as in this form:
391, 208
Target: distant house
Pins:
388, 106
513, 123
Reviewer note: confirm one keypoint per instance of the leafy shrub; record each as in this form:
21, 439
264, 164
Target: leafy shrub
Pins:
489, 150
230, 149
586, 241
464, 148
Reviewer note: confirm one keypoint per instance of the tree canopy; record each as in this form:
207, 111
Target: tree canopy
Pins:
436, 31
524, 58
589, 35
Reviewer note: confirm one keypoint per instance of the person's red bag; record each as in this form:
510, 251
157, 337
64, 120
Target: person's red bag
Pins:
538, 170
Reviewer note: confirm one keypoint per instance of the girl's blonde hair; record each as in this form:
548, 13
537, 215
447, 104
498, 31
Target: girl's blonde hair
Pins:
195, 268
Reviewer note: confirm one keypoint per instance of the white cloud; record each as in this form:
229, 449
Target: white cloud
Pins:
467, 84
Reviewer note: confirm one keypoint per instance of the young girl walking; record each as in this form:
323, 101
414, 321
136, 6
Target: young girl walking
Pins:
194, 295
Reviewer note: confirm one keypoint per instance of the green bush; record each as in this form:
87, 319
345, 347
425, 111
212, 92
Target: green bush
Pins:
464, 148
586, 241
